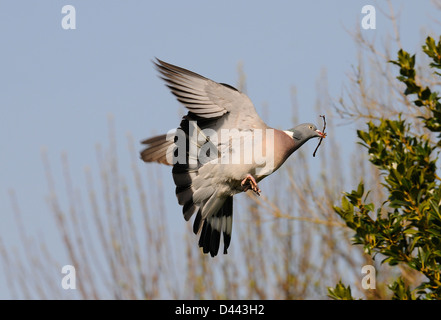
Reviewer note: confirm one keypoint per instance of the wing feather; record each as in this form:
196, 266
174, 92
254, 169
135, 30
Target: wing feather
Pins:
209, 99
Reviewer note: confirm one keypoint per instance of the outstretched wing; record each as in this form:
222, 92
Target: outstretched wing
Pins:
208, 99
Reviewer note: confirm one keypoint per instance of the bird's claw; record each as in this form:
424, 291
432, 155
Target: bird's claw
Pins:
250, 183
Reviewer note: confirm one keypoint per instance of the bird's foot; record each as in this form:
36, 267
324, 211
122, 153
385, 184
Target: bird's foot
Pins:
250, 183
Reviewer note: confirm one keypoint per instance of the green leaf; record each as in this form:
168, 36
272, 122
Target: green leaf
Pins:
340, 292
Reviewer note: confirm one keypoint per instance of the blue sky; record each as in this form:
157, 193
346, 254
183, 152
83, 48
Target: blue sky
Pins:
57, 87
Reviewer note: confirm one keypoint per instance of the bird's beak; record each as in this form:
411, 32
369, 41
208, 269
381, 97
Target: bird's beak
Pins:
321, 134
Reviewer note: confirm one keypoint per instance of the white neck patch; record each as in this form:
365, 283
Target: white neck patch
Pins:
289, 133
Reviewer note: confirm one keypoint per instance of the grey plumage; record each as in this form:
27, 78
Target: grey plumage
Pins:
212, 168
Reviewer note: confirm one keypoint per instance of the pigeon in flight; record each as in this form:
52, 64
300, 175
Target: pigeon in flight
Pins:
222, 147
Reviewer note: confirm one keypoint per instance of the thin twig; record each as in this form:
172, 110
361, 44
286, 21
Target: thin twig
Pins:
322, 137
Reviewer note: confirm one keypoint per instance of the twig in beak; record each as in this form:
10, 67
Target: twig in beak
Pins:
323, 136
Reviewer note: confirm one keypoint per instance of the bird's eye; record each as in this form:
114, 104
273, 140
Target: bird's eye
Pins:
310, 127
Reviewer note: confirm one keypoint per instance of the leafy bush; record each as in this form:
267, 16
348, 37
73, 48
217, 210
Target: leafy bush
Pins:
406, 228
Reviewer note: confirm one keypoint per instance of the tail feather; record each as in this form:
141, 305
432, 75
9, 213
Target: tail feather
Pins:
158, 150
183, 178
202, 194
184, 194
213, 226
188, 209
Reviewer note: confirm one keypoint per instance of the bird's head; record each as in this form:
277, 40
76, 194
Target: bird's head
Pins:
305, 131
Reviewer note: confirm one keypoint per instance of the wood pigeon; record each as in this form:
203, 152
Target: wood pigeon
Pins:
221, 148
